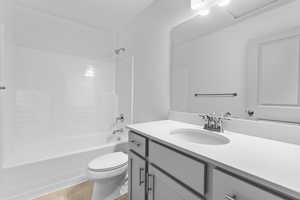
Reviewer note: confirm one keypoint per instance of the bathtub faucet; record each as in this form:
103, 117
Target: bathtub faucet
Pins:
118, 131
120, 118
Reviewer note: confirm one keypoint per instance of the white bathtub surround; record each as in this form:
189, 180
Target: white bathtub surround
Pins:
274, 163
61, 87
284, 132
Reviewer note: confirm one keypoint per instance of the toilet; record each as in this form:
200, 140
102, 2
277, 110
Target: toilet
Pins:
108, 172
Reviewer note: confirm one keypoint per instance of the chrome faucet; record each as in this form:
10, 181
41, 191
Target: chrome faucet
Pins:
214, 122
118, 131
120, 118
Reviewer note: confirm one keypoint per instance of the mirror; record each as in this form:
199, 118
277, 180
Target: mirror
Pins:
243, 59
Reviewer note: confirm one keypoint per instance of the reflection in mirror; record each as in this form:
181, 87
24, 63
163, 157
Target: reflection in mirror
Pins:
273, 76
279, 72
217, 54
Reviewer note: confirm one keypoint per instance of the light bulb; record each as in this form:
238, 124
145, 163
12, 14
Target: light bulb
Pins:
223, 3
204, 12
90, 71
197, 4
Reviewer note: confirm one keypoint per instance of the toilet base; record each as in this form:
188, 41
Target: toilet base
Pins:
105, 188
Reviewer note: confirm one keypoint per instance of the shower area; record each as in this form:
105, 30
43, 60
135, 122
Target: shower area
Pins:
63, 84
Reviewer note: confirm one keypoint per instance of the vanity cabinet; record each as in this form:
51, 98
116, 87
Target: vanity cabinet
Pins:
161, 172
153, 174
137, 177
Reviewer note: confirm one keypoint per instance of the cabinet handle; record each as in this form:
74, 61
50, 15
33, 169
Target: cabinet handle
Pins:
141, 182
151, 187
230, 197
135, 142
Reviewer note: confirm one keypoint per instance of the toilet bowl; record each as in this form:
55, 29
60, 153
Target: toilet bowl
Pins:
108, 172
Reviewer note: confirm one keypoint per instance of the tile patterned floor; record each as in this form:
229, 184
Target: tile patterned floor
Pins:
82, 191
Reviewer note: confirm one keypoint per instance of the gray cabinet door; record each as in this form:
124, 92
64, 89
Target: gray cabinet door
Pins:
189, 171
162, 187
137, 177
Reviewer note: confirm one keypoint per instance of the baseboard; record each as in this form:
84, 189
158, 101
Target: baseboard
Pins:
37, 192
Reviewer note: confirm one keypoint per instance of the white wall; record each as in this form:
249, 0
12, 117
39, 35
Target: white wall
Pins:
217, 62
147, 38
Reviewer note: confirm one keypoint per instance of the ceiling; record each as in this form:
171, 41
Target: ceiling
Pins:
221, 17
240, 8
105, 14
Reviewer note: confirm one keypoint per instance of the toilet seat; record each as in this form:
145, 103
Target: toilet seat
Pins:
109, 165
108, 162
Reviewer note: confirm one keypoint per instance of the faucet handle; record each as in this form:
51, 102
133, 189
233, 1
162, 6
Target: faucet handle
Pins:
118, 131
226, 116
204, 116
223, 117
120, 118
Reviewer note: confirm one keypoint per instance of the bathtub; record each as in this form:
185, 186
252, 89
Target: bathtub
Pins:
27, 150
51, 173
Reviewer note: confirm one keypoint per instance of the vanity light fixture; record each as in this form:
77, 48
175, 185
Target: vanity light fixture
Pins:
204, 12
203, 7
223, 3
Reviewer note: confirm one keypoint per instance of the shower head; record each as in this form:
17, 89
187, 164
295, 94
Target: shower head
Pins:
118, 51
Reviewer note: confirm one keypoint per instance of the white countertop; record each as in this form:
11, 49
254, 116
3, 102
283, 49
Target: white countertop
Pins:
271, 161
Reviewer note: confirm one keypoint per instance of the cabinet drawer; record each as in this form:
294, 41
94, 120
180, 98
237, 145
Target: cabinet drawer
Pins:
230, 188
185, 169
137, 143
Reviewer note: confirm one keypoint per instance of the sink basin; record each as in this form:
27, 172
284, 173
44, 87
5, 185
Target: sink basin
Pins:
200, 136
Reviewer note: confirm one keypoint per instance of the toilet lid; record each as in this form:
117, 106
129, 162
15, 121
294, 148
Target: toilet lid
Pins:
108, 162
